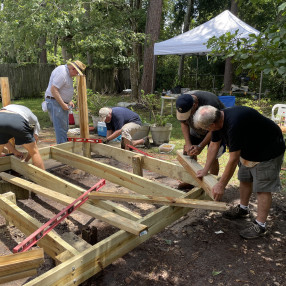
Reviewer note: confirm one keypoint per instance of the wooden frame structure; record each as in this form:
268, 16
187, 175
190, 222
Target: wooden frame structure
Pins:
74, 266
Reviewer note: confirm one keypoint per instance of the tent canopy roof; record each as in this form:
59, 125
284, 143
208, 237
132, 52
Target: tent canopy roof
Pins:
194, 41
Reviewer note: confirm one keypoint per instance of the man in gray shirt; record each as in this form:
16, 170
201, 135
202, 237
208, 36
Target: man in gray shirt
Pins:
59, 96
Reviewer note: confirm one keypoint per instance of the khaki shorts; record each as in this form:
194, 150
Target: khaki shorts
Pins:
264, 175
129, 129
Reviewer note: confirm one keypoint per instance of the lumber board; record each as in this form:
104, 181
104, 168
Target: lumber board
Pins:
48, 180
5, 91
165, 168
45, 153
123, 178
20, 275
5, 164
106, 216
86, 264
52, 243
16, 263
192, 166
168, 201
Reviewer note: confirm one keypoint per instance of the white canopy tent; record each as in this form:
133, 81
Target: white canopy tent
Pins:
195, 40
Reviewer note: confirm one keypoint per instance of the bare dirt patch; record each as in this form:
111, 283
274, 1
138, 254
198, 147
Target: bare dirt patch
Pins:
201, 248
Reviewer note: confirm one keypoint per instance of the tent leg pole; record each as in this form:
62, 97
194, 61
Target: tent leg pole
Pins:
260, 86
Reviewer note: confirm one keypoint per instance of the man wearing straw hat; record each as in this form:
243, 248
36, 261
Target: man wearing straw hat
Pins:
59, 96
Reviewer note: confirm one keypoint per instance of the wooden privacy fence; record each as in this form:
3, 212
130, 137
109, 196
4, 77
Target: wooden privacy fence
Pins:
31, 80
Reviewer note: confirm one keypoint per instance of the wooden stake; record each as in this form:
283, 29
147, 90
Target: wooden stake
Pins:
137, 165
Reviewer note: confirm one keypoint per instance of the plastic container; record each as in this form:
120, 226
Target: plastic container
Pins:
227, 100
101, 129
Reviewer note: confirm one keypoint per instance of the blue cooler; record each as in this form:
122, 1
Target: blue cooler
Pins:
101, 129
227, 100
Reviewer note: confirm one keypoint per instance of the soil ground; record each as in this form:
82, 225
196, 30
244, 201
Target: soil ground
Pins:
201, 248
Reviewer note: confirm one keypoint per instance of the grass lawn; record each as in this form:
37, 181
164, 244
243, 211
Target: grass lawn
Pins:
264, 107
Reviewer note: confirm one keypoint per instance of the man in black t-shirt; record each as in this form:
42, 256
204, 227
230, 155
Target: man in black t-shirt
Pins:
257, 146
122, 121
196, 138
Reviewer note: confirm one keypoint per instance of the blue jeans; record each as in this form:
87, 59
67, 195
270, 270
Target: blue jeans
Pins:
60, 119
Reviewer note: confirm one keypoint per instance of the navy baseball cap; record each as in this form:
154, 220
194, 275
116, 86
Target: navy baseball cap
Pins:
184, 104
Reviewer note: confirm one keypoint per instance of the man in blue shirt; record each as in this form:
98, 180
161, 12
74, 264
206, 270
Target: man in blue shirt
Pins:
122, 121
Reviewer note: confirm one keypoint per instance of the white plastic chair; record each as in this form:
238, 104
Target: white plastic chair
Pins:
279, 113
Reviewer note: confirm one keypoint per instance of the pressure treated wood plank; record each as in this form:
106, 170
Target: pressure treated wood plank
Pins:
114, 175
12, 264
168, 201
20, 275
81, 267
52, 242
53, 182
192, 167
5, 163
165, 168
106, 216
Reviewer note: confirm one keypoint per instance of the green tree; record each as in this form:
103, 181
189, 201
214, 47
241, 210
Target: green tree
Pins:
265, 52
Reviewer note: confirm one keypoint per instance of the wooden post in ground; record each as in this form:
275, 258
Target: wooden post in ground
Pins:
5, 91
137, 165
83, 114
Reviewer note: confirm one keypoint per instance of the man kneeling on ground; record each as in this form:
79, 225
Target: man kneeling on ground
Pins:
122, 121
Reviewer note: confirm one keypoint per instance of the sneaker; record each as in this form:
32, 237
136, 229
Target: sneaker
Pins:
253, 231
147, 143
236, 213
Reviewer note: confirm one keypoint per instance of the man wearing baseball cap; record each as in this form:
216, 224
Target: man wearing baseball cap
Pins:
59, 96
195, 138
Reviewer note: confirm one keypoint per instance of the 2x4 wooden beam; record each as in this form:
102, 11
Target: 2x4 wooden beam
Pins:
165, 168
123, 178
54, 183
52, 242
106, 216
81, 267
20, 265
168, 201
192, 166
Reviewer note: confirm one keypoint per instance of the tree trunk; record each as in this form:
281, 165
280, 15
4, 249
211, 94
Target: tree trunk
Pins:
43, 54
135, 72
135, 53
152, 31
228, 69
89, 55
185, 29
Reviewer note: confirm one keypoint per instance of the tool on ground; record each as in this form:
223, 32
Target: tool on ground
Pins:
138, 150
52, 223
85, 140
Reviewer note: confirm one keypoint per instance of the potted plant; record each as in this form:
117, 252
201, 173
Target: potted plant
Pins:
161, 128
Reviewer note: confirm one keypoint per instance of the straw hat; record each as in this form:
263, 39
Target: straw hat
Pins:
79, 66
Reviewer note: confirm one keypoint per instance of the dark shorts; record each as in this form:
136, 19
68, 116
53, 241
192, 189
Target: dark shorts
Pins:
264, 175
14, 125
